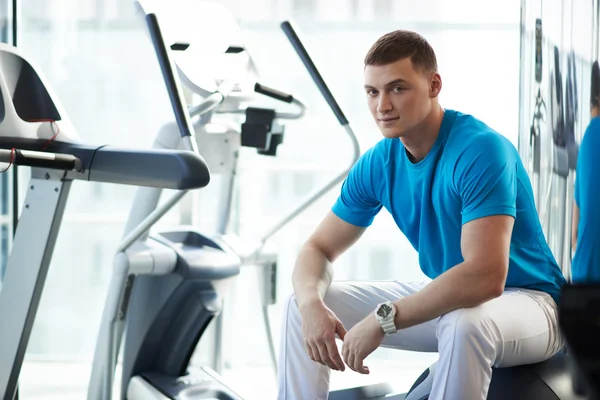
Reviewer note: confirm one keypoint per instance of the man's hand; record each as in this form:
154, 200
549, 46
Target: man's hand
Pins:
319, 327
360, 341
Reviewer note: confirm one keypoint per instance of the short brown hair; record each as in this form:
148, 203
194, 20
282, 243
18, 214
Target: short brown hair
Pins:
401, 44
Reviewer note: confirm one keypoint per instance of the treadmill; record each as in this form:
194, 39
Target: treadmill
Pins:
36, 132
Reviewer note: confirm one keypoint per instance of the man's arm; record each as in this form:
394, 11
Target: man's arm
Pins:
485, 245
313, 273
311, 278
575, 226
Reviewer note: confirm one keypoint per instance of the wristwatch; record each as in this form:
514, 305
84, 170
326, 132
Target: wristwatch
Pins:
385, 313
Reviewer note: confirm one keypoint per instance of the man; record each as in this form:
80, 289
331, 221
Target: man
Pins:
586, 213
460, 194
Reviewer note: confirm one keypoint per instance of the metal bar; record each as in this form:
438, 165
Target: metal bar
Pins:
228, 200
26, 272
320, 192
149, 221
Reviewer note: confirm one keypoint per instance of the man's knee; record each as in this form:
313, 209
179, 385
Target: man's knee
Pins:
335, 294
466, 325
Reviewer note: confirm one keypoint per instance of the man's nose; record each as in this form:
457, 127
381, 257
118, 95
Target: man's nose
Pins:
384, 104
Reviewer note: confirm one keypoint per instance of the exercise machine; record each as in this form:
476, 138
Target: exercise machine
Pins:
36, 132
579, 313
169, 286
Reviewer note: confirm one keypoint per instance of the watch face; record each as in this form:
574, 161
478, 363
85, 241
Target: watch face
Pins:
384, 310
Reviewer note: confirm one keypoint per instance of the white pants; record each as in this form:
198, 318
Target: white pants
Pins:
519, 327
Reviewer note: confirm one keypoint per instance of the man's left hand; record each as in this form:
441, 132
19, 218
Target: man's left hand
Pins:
360, 341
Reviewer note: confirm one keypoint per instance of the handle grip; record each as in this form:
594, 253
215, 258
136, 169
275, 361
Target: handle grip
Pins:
275, 94
41, 159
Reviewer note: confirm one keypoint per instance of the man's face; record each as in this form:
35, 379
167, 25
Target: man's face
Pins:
399, 96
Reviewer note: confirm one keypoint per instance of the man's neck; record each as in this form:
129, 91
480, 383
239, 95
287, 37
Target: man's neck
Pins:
421, 140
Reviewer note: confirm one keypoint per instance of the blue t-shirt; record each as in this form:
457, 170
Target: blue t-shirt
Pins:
470, 172
586, 262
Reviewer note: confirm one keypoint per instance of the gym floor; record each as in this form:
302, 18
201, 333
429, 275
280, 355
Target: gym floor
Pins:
53, 380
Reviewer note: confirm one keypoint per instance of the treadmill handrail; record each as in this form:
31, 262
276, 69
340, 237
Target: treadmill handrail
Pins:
167, 169
161, 168
41, 159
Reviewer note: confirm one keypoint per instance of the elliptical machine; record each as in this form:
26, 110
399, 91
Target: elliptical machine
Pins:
168, 287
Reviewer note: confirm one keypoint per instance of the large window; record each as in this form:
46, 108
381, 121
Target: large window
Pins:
99, 60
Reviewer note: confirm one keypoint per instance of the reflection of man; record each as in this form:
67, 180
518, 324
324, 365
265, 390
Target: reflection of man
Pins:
460, 194
585, 233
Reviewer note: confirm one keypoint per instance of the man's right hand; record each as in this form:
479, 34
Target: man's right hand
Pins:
319, 327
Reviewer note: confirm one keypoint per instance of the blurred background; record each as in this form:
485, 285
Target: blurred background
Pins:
98, 58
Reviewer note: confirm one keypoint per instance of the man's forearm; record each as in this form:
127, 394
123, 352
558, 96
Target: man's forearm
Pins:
312, 276
460, 287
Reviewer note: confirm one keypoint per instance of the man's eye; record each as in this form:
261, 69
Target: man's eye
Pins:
397, 89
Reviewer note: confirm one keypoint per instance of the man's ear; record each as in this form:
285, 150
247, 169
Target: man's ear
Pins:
435, 84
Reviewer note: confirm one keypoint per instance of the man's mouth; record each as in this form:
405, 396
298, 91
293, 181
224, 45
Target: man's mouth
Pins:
388, 119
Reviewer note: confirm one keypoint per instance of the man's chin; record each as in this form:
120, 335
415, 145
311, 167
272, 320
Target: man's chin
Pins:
391, 133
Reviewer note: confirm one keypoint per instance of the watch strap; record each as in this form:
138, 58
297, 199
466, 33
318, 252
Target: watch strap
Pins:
388, 326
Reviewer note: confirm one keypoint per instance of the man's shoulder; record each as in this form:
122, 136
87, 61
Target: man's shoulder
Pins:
472, 134
465, 122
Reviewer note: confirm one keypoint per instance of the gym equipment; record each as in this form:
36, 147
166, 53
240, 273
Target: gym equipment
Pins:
36, 132
578, 318
548, 380
167, 287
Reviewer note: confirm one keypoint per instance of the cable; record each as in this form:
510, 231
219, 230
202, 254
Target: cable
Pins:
52, 124
12, 159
